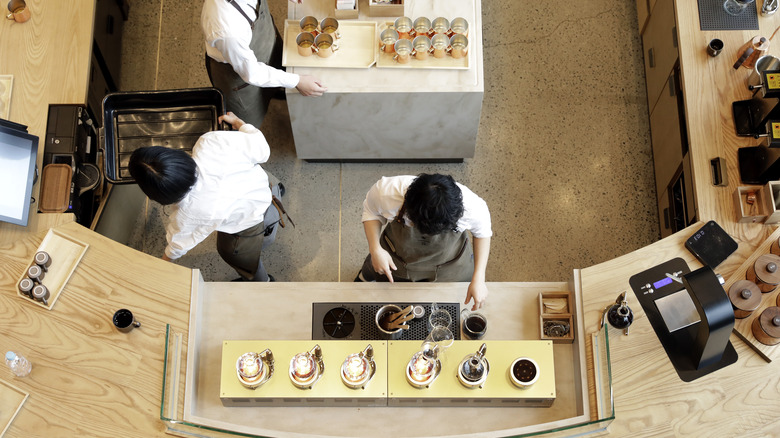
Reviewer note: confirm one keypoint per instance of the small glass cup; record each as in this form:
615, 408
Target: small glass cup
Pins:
736, 7
439, 317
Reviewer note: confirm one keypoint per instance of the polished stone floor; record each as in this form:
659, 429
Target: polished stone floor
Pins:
563, 154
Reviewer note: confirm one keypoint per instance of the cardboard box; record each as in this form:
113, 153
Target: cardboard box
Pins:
345, 14
378, 9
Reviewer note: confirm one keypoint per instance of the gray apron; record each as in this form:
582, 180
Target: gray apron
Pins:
248, 102
444, 257
242, 250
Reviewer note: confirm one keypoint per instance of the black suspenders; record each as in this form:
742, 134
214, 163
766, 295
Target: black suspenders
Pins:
251, 23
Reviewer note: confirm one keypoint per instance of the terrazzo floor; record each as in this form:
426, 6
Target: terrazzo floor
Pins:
563, 155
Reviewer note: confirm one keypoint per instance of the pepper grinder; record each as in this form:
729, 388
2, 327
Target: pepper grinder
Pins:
619, 315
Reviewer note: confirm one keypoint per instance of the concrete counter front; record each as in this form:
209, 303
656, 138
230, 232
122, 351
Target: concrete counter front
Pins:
381, 113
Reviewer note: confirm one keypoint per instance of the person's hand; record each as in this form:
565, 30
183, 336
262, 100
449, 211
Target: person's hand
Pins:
310, 86
166, 258
478, 292
232, 119
297, 1
382, 262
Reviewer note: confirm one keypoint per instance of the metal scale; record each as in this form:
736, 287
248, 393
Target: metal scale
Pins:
691, 315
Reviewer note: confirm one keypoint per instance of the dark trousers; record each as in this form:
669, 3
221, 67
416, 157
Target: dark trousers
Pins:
242, 250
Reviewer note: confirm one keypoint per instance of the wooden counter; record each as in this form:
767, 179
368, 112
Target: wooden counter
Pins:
650, 400
709, 86
49, 58
89, 379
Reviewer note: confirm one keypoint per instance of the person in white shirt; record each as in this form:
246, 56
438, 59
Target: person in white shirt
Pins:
222, 188
424, 239
244, 57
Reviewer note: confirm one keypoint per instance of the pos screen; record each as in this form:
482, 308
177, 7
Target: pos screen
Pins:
18, 158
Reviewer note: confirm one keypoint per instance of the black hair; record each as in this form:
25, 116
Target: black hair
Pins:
434, 203
165, 175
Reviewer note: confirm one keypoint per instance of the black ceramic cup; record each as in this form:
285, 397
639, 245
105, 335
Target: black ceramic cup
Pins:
124, 320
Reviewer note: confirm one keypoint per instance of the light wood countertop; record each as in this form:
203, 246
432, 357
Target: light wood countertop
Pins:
89, 379
710, 85
650, 399
49, 58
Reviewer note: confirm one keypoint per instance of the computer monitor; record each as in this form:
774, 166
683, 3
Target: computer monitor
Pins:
18, 159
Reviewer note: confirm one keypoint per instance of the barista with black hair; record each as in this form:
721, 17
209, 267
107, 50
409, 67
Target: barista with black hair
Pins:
222, 188
425, 238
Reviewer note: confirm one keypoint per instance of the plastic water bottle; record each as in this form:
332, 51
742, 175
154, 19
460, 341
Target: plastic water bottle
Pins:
20, 366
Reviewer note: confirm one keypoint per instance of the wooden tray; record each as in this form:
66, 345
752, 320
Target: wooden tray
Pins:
742, 326
66, 253
356, 46
6, 85
385, 60
11, 401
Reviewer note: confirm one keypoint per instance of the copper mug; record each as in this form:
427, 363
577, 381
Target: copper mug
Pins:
422, 26
441, 45
422, 47
305, 43
459, 46
459, 26
403, 51
404, 27
309, 24
330, 26
388, 37
440, 25
324, 46
18, 11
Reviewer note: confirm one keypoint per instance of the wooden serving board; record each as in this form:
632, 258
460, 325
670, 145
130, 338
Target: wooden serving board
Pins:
66, 253
742, 327
356, 46
11, 401
385, 60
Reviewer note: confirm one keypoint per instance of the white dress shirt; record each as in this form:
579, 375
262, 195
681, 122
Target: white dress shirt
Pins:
230, 194
385, 198
228, 35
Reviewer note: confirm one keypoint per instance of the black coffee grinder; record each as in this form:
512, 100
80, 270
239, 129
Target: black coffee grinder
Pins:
691, 315
759, 117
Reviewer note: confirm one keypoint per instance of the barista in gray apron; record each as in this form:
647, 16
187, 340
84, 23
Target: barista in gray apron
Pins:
249, 102
445, 257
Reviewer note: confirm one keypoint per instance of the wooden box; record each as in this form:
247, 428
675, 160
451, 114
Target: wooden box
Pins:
380, 9
345, 14
772, 202
556, 306
750, 213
